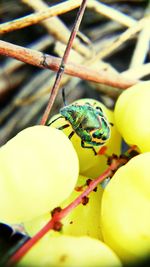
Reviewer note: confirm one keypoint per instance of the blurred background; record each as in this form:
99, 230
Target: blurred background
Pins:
24, 89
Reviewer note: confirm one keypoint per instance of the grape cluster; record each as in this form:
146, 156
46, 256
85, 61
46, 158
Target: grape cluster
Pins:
41, 169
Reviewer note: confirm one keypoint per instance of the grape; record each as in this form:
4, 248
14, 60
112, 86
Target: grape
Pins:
70, 251
91, 165
132, 115
82, 220
34, 168
125, 216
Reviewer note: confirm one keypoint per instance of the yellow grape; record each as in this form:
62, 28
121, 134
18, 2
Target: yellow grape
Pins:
82, 220
38, 170
67, 251
125, 216
132, 115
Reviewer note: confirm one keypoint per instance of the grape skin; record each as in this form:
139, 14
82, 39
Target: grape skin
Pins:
70, 251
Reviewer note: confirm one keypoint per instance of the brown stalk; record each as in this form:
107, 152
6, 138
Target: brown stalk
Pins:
42, 60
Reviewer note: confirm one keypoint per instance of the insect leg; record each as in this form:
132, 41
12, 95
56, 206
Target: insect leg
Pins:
55, 120
91, 147
71, 134
63, 127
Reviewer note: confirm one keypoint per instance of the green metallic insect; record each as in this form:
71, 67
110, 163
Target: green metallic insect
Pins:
88, 122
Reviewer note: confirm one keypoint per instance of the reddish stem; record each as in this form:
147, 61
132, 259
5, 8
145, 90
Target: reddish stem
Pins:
63, 62
57, 217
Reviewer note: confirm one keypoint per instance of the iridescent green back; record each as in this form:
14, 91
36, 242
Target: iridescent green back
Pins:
88, 122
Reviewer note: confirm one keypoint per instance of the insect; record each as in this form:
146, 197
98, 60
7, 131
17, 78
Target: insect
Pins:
88, 122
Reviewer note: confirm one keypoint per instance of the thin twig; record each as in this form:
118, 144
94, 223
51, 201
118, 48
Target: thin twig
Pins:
137, 72
39, 16
142, 45
63, 62
97, 33
123, 38
9, 83
57, 28
41, 60
111, 13
12, 65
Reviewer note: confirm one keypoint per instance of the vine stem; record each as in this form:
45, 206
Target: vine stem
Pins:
58, 216
63, 62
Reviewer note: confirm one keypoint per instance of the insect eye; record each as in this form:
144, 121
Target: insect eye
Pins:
97, 135
104, 138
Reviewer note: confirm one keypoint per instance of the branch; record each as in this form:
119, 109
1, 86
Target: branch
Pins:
41, 60
111, 13
125, 36
39, 16
56, 27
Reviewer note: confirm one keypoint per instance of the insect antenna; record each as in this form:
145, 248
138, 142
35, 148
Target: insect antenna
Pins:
60, 117
64, 97
61, 127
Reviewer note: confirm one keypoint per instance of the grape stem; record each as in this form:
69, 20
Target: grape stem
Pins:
58, 216
114, 163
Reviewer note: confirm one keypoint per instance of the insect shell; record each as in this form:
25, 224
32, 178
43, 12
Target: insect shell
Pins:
88, 122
